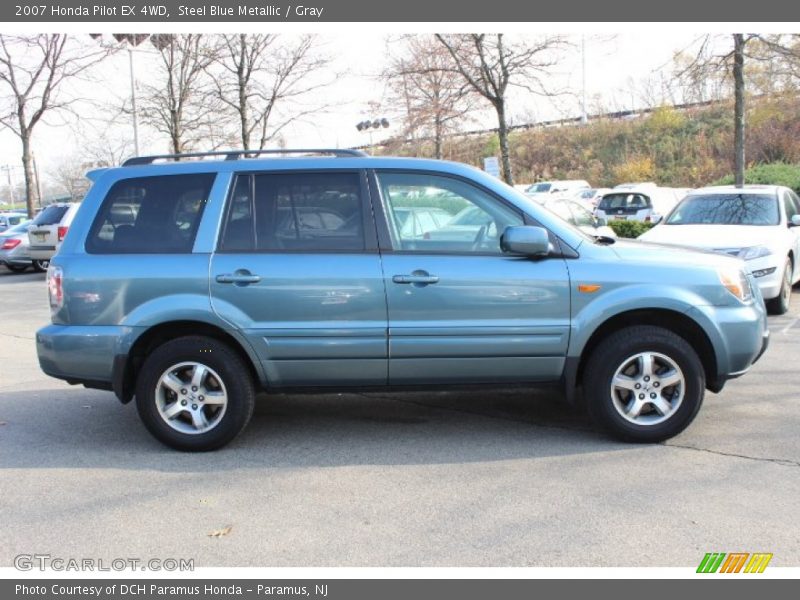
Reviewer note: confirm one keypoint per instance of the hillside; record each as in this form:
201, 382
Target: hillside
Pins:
675, 148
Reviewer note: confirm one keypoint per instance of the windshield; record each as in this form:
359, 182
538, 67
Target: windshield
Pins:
538, 188
21, 228
726, 209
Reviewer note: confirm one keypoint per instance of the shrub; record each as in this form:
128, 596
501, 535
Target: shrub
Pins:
635, 169
769, 174
629, 229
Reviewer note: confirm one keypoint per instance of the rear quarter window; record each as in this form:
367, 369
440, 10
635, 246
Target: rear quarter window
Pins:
51, 215
150, 215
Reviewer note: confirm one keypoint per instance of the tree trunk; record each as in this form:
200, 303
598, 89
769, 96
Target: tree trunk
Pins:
27, 164
438, 134
242, 84
738, 90
502, 133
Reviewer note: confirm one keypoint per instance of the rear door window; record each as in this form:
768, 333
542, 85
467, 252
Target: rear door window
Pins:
295, 212
150, 215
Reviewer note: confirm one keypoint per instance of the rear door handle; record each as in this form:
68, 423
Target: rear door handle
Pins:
419, 278
240, 277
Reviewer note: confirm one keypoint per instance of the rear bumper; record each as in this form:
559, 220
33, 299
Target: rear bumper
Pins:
81, 354
42, 252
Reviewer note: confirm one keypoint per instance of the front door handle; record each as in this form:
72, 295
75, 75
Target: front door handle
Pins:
239, 277
418, 278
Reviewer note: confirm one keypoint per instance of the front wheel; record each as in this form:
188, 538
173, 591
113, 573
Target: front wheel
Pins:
41, 265
644, 384
780, 304
195, 393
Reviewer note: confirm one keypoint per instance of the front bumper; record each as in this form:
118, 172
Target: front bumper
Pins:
770, 285
739, 335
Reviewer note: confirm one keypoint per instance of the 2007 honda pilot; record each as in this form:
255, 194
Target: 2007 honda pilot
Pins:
191, 284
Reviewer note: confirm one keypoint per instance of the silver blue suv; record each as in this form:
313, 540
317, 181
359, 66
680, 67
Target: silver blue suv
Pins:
193, 284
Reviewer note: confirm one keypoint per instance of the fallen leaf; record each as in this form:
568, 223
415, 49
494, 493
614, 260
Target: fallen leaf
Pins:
220, 532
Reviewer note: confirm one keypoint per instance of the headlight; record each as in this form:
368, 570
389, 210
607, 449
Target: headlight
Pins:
754, 252
736, 282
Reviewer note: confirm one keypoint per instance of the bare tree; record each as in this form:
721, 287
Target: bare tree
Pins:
435, 97
182, 105
106, 138
491, 66
33, 71
70, 176
256, 74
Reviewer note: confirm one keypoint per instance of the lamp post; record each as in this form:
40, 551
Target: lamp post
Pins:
131, 40
370, 125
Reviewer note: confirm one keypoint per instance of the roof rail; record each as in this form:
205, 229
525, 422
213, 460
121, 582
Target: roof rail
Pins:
237, 154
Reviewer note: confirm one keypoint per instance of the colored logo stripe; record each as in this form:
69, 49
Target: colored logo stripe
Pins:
734, 562
758, 562
711, 562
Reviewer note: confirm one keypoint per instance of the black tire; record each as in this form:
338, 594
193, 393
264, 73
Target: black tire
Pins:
17, 268
235, 379
613, 353
40, 265
780, 304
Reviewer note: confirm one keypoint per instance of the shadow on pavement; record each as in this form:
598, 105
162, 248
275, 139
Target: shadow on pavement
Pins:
76, 428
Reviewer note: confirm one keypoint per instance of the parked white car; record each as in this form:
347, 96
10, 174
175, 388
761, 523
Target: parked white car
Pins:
575, 213
646, 203
758, 223
566, 187
589, 197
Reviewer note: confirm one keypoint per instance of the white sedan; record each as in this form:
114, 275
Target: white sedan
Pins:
758, 223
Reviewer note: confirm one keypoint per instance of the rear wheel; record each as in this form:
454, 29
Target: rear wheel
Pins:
195, 394
644, 384
780, 304
17, 268
41, 265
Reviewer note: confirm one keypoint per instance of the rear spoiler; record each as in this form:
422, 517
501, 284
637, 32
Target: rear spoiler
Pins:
94, 174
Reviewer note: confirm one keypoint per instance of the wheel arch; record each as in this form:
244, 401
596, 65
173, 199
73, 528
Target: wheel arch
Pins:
677, 322
127, 366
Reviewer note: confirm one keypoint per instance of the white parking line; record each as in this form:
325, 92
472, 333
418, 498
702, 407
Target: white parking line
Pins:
786, 329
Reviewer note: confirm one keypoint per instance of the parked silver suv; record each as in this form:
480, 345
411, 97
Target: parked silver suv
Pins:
48, 230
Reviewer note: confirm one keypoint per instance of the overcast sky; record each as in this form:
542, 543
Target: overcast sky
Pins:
613, 62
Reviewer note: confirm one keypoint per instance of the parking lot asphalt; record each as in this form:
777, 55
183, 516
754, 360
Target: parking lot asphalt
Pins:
477, 478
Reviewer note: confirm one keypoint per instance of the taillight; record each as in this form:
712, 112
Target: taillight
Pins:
55, 287
10, 243
62, 232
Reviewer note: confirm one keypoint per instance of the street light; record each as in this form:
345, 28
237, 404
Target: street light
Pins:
131, 40
369, 125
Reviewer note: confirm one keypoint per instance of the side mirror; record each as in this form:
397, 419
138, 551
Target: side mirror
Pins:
526, 240
795, 222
